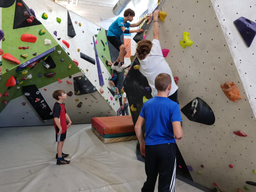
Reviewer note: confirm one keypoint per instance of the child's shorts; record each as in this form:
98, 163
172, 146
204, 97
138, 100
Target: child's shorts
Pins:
115, 41
61, 137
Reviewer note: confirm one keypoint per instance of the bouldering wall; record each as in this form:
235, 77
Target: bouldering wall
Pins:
35, 65
218, 155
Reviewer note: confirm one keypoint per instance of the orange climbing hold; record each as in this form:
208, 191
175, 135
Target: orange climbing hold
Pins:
19, 4
9, 57
11, 82
66, 43
231, 91
28, 38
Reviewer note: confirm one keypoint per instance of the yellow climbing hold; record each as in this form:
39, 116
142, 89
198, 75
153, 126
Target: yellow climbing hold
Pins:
254, 171
87, 70
144, 99
24, 56
80, 24
186, 41
131, 58
133, 108
24, 72
162, 15
69, 66
77, 100
20, 82
41, 32
136, 67
78, 50
199, 172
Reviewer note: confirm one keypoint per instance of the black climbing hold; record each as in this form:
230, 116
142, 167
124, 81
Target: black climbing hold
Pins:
71, 29
87, 58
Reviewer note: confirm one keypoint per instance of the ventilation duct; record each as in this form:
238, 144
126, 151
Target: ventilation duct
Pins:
120, 5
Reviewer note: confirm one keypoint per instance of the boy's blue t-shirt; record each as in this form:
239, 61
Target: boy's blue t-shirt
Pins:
115, 27
159, 113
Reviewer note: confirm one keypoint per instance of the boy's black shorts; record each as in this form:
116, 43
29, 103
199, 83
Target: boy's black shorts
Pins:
115, 41
61, 137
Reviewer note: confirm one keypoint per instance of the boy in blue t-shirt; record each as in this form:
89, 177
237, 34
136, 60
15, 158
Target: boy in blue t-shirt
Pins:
116, 29
163, 126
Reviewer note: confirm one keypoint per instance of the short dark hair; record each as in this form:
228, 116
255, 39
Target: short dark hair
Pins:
143, 48
129, 12
57, 93
162, 81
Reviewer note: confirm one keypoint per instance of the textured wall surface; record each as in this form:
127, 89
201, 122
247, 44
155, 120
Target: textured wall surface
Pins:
201, 69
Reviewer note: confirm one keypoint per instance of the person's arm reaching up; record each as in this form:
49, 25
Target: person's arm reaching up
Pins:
155, 25
148, 17
139, 134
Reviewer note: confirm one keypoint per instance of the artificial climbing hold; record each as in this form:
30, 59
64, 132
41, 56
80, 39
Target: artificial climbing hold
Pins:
80, 24
1, 34
186, 41
28, 38
76, 62
44, 16
231, 91
9, 57
59, 80
41, 32
1, 52
231, 166
69, 66
26, 14
68, 82
11, 82
202, 166
246, 188
62, 60
133, 108
24, 47
55, 33
79, 104
19, 4
165, 52
23, 103
162, 15
24, 56
240, 133
6, 94
176, 79
34, 54
58, 20
144, 99
47, 42
78, 50
101, 90
50, 74
190, 168
59, 52
4, 102
136, 67
239, 190
70, 93
29, 76
251, 183
66, 43
215, 184
148, 88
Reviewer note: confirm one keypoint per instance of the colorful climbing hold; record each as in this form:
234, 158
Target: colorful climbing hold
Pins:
6, 94
59, 80
62, 60
4, 102
79, 104
69, 66
55, 33
24, 47
1, 34
176, 79
80, 24
78, 50
251, 183
199, 172
58, 20
185, 41
165, 52
68, 82
144, 99
133, 108
190, 168
231, 166
76, 62
202, 166
162, 15
9, 57
70, 93
240, 133
50, 74
41, 32
34, 54
26, 14
44, 16
19, 4
11, 82
136, 67
1, 52
101, 90
215, 184
47, 42
28, 38
231, 91
246, 188
111, 98
66, 43
24, 56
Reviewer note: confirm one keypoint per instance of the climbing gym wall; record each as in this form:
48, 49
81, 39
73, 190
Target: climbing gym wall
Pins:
47, 48
219, 133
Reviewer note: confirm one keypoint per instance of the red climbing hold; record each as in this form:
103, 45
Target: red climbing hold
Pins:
9, 57
37, 100
50, 74
231, 166
23, 103
0, 95
19, 4
180, 167
24, 47
215, 184
202, 166
66, 43
176, 79
28, 38
29, 20
68, 82
45, 89
240, 133
6, 94
11, 82
76, 62
23, 78
59, 80
165, 52
4, 102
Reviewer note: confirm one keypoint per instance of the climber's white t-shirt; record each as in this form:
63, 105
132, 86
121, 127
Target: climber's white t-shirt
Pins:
124, 96
153, 65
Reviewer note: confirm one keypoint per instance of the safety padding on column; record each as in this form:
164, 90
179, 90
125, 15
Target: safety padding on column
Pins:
199, 111
37, 101
82, 85
24, 17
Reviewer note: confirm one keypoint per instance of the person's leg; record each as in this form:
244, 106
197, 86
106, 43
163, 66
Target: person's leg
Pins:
174, 97
59, 148
167, 167
151, 167
126, 112
122, 53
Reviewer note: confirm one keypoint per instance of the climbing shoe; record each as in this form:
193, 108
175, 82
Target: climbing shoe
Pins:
62, 161
63, 155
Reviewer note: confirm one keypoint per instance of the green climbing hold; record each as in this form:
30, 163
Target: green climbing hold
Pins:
58, 20
106, 100
1, 63
44, 16
96, 35
246, 188
41, 32
144, 99
104, 49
